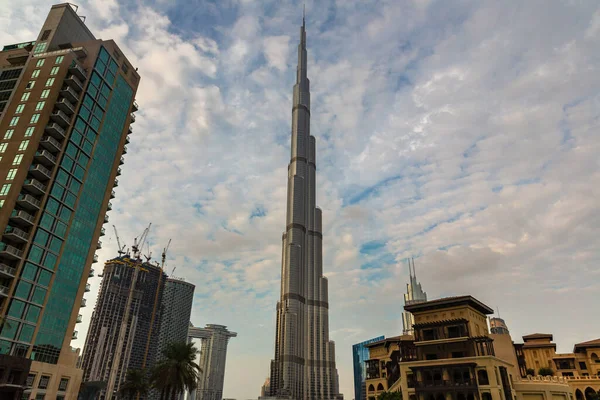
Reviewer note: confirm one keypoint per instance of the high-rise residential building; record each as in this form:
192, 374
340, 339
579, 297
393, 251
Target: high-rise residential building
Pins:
66, 103
360, 354
304, 362
498, 326
125, 325
213, 354
177, 300
414, 295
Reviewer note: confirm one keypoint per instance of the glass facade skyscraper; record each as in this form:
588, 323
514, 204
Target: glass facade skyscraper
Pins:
66, 103
360, 354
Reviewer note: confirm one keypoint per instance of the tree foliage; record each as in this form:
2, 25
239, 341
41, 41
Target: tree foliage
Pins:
544, 371
390, 396
531, 371
135, 382
177, 371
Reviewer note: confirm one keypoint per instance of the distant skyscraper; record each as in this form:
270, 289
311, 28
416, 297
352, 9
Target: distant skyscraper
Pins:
304, 364
498, 326
124, 329
213, 354
66, 103
414, 294
177, 300
360, 354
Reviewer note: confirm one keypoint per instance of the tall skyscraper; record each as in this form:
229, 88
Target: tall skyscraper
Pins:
176, 307
304, 362
414, 294
360, 354
213, 354
66, 100
123, 332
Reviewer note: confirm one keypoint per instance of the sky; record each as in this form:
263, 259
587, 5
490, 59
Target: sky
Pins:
463, 134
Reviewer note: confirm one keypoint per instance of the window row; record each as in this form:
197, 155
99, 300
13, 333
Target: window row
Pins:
9, 133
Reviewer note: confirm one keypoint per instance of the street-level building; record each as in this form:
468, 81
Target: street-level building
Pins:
66, 105
360, 354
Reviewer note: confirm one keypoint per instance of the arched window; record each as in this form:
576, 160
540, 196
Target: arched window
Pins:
578, 395
380, 386
470, 396
482, 377
440, 396
590, 394
371, 388
461, 396
486, 396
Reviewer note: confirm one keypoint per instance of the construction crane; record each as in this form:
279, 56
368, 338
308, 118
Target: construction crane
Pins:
164, 256
121, 250
138, 244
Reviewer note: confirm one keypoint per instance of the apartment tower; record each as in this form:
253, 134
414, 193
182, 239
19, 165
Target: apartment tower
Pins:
123, 332
304, 364
414, 295
213, 354
66, 104
176, 307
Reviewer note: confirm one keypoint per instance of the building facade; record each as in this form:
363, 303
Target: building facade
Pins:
213, 355
414, 294
383, 364
66, 104
177, 300
304, 363
360, 353
124, 329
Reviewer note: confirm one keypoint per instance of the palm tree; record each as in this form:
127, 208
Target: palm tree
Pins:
135, 382
177, 371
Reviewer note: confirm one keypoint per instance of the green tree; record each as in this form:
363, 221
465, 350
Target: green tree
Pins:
135, 382
177, 371
544, 371
531, 371
390, 396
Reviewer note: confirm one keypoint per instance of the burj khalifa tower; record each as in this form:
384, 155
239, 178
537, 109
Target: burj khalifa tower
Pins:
304, 363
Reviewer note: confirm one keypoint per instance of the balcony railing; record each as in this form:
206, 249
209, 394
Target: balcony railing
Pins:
15, 234
95, 258
83, 302
68, 93
116, 183
10, 252
79, 319
444, 383
112, 194
102, 231
78, 71
29, 202
129, 130
109, 206
119, 171
106, 219
99, 245
132, 118
65, 105
122, 161
7, 271
87, 287
51, 144
55, 130
74, 335
74, 82
91, 274
60, 118
22, 217
124, 149
34, 186
134, 107
45, 157
40, 172
4, 291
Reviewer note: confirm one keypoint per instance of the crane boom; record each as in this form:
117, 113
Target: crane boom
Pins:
121, 249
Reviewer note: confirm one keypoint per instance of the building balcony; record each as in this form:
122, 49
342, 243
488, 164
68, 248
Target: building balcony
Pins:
87, 287
127, 139
116, 183
112, 194
124, 149
18, 59
50, 144
60, 118
28, 202
95, 260
102, 231
4, 291
21, 218
74, 82
66, 106
10, 252
132, 118
98, 245
106, 219
109, 206
122, 161
45, 157
83, 302
55, 130
79, 319
134, 107
91, 274
15, 234
78, 71
129, 130
40, 172
34, 186
74, 335
7, 271
68, 93
437, 384
119, 171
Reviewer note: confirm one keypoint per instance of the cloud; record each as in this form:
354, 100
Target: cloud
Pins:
463, 136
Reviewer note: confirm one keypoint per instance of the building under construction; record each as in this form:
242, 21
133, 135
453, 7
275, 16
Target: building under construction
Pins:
125, 323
